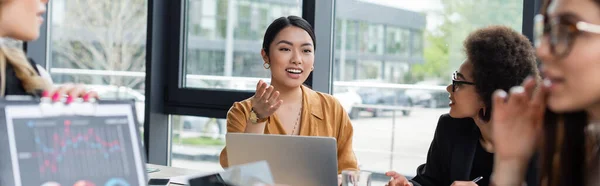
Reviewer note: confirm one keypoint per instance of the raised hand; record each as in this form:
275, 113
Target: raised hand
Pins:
516, 126
266, 100
517, 119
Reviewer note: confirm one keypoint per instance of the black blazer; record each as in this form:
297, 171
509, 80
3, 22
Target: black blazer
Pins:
451, 154
14, 86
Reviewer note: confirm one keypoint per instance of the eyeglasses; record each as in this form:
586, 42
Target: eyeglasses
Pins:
561, 32
456, 82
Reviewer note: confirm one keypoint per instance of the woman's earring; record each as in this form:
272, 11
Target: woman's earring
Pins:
266, 65
482, 112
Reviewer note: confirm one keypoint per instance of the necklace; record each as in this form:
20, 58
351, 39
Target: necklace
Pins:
297, 121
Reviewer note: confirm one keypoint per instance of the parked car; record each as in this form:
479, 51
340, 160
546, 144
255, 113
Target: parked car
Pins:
429, 98
204, 126
391, 97
348, 98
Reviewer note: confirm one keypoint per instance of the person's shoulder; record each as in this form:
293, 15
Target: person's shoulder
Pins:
322, 97
449, 124
325, 96
244, 105
446, 118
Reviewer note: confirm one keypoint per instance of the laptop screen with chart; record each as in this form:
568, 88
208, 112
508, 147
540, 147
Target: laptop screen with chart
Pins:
98, 149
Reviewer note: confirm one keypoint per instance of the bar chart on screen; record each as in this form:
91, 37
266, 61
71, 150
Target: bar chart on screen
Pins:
75, 150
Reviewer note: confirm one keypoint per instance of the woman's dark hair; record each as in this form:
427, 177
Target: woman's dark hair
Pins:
563, 151
501, 58
283, 22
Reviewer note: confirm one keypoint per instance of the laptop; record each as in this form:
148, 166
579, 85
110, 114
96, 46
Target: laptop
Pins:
77, 144
293, 160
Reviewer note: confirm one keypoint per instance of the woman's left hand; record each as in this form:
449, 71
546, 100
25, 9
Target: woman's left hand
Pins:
71, 91
397, 179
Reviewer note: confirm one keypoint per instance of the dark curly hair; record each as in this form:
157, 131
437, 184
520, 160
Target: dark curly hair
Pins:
501, 58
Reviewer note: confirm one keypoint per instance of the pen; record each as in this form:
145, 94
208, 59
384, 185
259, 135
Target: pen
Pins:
477, 179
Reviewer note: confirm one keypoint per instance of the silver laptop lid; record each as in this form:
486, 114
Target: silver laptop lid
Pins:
294, 160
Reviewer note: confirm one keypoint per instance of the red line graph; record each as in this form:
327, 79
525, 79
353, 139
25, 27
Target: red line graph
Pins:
72, 144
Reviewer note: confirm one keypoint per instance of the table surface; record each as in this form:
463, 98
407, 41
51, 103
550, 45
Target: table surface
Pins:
169, 172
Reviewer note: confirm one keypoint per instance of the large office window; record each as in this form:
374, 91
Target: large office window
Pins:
229, 61
101, 44
397, 41
211, 62
392, 43
370, 38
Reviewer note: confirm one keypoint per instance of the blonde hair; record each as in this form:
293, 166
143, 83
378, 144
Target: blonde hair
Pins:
29, 77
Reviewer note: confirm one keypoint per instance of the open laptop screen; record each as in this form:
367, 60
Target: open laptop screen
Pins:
98, 148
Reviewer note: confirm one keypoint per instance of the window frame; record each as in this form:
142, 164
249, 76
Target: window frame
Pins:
181, 100
166, 70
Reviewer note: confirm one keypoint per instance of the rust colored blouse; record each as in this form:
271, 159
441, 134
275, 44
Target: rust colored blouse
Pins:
322, 115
